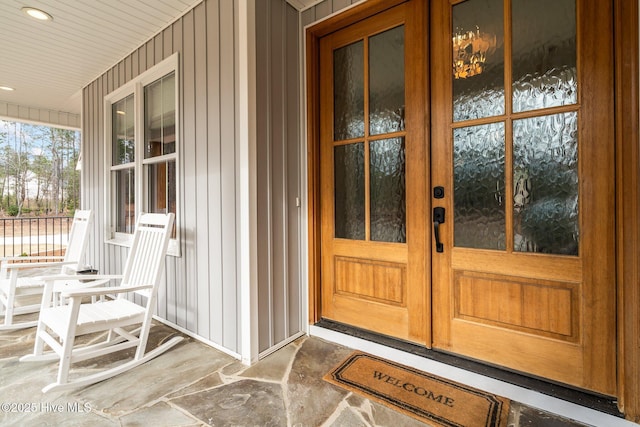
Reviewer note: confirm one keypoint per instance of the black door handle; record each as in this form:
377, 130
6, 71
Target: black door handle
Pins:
438, 218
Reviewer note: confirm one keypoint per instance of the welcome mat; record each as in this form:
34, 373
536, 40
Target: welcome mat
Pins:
428, 398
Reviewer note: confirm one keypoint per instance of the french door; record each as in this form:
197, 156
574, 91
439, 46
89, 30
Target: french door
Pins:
373, 174
523, 147
466, 182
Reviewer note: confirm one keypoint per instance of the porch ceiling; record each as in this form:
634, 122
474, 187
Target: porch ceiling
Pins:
48, 63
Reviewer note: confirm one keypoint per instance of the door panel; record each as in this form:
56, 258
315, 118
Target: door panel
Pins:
373, 174
523, 147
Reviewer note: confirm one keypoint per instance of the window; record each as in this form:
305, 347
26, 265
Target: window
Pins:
142, 151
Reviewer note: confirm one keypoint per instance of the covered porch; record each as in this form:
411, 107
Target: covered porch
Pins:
240, 283
195, 385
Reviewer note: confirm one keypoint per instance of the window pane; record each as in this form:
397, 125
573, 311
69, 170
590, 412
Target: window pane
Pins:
160, 117
388, 191
123, 131
162, 187
545, 184
348, 91
386, 82
544, 54
124, 190
349, 191
478, 59
479, 176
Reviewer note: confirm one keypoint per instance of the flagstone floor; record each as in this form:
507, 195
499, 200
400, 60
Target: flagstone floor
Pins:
195, 385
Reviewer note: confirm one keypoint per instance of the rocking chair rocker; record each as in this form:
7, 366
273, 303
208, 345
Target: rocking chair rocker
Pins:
20, 291
58, 326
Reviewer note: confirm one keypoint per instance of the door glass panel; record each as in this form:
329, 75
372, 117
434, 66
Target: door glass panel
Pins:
478, 59
544, 54
349, 191
387, 181
348, 91
479, 171
545, 183
386, 82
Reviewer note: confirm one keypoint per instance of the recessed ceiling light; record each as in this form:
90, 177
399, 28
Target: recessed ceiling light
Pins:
7, 88
37, 14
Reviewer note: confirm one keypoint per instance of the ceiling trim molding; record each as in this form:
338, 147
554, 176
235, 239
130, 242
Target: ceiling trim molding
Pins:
39, 116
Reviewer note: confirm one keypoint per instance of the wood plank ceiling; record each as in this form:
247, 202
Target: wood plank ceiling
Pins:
48, 63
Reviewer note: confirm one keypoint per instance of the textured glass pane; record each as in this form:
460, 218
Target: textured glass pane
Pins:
386, 82
478, 59
388, 191
478, 168
545, 184
162, 187
544, 54
160, 117
122, 131
349, 191
348, 91
124, 189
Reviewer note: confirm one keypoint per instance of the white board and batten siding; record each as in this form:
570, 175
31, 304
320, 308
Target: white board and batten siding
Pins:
200, 292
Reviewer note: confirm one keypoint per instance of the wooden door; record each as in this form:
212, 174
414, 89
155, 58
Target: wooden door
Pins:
523, 150
373, 174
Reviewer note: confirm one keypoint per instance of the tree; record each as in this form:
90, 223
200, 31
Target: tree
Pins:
38, 165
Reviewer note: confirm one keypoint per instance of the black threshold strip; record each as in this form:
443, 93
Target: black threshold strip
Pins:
580, 397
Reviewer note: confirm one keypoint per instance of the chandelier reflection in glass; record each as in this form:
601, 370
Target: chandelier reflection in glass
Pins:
470, 50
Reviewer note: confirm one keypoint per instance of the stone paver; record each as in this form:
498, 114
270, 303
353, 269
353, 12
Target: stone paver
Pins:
195, 385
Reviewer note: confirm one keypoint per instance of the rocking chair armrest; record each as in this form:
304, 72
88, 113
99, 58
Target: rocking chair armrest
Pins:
29, 258
86, 277
103, 290
28, 265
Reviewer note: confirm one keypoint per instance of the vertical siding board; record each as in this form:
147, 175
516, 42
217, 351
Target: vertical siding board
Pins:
93, 157
197, 314
167, 42
278, 172
189, 175
159, 48
263, 55
293, 147
142, 59
121, 73
215, 307
99, 166
150, 54
340, 4
308, 17
135, 63
127, 68
324, 9
228, 175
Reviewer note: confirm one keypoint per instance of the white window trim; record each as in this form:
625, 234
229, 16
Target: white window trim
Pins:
136, 86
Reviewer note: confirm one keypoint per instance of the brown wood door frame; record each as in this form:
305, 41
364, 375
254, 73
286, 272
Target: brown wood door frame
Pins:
627, 142
627, 204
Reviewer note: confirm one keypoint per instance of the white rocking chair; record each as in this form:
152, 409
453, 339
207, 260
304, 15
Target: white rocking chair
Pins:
20, 290
58, 326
